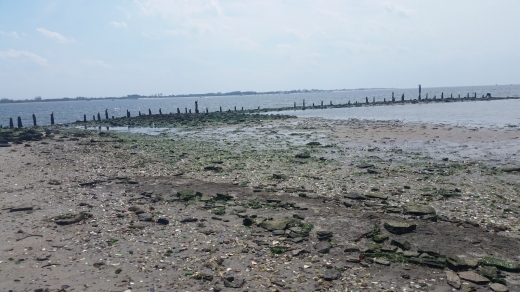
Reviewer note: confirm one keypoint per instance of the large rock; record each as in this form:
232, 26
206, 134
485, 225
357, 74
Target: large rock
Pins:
452, 279
331, 274
323, 247
473, 277
419, 210
498, 287
399, 227
501, 264
276, 224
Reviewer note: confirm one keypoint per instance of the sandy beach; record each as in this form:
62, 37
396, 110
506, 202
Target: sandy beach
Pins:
284, 205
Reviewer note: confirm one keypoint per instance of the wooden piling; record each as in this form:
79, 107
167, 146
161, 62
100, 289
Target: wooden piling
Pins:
304, 104
402, 97
11, 125
190, 110
149, 112
196, 107
52, 118
295, 104
322, 104
220, 109
178, 111
185, 110
373, 99
139, 113
84, 118
331, 103
393, 98
20, 123
207, 111
242, 108
442, 95
160, 112
106, 114
93, 117
98, 117
419, 91
366, 98
127, 113
235, 108
34, 120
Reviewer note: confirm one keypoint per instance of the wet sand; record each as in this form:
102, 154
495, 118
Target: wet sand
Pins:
305, 170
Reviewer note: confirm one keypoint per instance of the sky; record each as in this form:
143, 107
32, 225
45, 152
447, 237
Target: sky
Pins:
99, 48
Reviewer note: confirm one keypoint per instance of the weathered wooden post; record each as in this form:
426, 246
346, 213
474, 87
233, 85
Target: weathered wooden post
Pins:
366, 98
34, 120
475, 95
402, 97
139, 113
149, 112
11, 125
331, 103
190, 110
373, 99
384, 99
468, 95
322, 104
19, 123
160, 112
93, 117
113, 117
442, 95
207, 111
242, 108
220, 109
52, 118
196, 107
178, 111
313, 105
185, 110
304, 104
235, 108
259, 108
419, 91
84, 118
393, 98
127, 113
106, 114
98, 117
459, 95
349, 102
295, 105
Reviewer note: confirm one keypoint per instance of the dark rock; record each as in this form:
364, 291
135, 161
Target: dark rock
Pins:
402, 245
399, 227
346, 204
373, 171
323, 247
352, 249
324, 235
331, 275
163, 221
188, 219
224, 197
25, 207
146, 217
363, 166
187, 195
303, 155
380, 238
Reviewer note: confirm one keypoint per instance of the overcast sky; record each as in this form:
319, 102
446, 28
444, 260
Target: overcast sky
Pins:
69, 48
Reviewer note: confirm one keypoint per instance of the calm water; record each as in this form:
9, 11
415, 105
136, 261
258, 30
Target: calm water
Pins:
475, 113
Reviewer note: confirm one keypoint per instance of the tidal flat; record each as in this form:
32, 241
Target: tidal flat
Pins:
261, 204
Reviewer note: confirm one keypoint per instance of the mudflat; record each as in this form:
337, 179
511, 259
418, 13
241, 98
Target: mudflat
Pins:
287, 205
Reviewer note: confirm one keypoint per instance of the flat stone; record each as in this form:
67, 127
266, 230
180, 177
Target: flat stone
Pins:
147, 217
236, 283
24, 207
399, 227
163, 221
473, 277
410, 254
382, 262
498, 287
278, 232
352, 259
415, 209
323, 247
377, 196
452, 279
331, 274
189, 219
276, 224
355, 196
400, 244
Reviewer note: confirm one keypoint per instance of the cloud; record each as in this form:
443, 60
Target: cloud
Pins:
95, 63
125, 12
246, 43
55, 36
398, 10
11, 34
23, 54
118, 24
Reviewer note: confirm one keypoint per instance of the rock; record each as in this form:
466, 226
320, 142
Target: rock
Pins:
355, 196
187, 195
331, 274
455, 263
377, 196
68, 219
278, 232
352, 249
418, 210
429, 217
163, 221
24, 207
234, 283
363, 166
136, 210
452, 279
323, 247
276, 224
382, 262
373, 171
410, 254
146, 217
324, 235
352, 259
473, 277
498, 287
501, 264
402, 245
380, 238
189, 219
492, 273
206, 198
297, 252
224, 197
280, 176
399, 227
5, 145
303, 155
428, 251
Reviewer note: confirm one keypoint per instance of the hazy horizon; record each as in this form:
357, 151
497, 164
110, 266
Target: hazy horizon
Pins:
59, 48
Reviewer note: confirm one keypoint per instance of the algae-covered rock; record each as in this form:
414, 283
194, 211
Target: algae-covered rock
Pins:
399, 227
187, 195
501, 264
